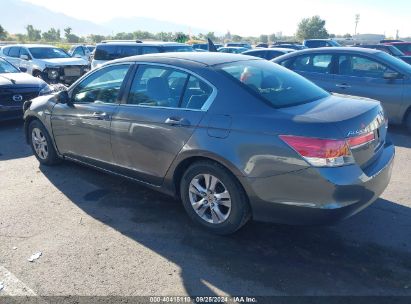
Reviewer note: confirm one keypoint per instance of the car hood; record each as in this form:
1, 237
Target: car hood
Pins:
64, 61
20, 80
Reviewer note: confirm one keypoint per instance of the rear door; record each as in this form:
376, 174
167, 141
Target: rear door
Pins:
316, 67
163, 108
14, 56
363, 76
81, 127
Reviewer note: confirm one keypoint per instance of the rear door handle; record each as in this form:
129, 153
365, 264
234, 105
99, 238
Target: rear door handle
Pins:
177, 121
343, 86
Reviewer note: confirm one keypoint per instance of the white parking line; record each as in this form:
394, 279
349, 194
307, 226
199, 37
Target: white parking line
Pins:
12, 285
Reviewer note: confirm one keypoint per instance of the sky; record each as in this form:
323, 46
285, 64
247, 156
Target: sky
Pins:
250, 17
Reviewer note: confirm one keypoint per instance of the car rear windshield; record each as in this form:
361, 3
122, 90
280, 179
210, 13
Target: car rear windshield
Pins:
403, 47
48, 53
276, 85
6, 67
111, 52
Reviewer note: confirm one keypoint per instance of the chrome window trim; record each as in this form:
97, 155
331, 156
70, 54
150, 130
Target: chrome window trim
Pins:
207, 104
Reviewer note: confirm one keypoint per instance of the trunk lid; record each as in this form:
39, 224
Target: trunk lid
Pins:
353, 117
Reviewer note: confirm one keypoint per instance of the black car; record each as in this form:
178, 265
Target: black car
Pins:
317, 43
390, 49
293, 46
268, 53
15, 88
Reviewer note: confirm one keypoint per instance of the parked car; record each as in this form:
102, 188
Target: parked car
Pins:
404, 47
239, 44
49, 63
80, 51
233, 136
268, 53
111, 50
262, 45
296, 47
390, 40
204, 46
17, 87
390, 49
359, 72
317, 43
232, 50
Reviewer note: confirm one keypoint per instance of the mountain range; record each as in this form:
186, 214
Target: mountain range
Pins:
15, 15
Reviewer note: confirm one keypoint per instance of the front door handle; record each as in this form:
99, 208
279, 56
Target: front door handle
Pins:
100, 116
177, 121
343, 86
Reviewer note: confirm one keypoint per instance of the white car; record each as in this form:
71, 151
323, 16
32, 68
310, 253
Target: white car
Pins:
50, 63
81, 51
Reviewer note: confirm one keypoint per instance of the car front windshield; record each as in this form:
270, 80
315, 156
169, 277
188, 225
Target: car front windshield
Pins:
48, 53
396, 62
278, 86
6, 67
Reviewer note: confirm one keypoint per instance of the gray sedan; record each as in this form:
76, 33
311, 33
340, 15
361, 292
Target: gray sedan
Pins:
234, 137
358, 72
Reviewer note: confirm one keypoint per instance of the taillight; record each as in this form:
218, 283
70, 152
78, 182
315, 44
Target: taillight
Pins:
358, 141
321, 152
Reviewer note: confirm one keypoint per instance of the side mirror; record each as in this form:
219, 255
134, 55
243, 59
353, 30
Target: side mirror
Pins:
63, 97
391, 75
24, 57
24, 70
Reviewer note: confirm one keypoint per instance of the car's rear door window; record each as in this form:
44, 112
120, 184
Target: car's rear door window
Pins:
159, 86
318, 63
14, 52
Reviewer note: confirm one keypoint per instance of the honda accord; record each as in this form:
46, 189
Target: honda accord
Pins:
233, 136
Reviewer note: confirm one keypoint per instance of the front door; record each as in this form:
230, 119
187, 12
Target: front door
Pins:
164, 106
81, 127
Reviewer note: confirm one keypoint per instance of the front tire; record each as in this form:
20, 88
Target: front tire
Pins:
42, 145
214, 198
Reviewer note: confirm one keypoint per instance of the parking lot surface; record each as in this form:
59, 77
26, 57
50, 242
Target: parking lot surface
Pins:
102, 235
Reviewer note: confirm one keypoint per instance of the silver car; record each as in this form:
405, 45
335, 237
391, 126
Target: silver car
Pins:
358, 72
234, 137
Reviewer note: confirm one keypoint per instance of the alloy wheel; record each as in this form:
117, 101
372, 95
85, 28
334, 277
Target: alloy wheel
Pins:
209, 198
39, 143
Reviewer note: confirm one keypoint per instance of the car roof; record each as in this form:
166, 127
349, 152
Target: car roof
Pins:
149, 43
203, 58
338, 50
269, 49
403, 42
32, 45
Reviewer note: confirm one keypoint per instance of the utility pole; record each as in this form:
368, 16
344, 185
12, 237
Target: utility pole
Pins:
397, 36
357, 20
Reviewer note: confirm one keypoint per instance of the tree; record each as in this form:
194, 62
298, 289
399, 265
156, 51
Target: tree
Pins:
181, 37
237, 38
264, 38
347, 36
71, 38
32, 33
211, 36
312, 28
124, 36
52, 35
96, 38
3, 33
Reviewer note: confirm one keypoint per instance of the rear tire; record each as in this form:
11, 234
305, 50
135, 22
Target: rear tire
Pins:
214, 198
42, 145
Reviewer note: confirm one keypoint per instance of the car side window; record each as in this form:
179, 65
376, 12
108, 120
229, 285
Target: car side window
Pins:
103, 86
359, 66
6, 51
14, 52
158, 86
78, 51
23, 51
320, 63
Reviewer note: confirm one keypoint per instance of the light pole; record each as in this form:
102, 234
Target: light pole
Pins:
357, 20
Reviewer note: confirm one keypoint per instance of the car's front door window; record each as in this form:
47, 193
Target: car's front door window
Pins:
358, 66
102, 86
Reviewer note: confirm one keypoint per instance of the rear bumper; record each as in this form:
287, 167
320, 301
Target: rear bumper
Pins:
319, 195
